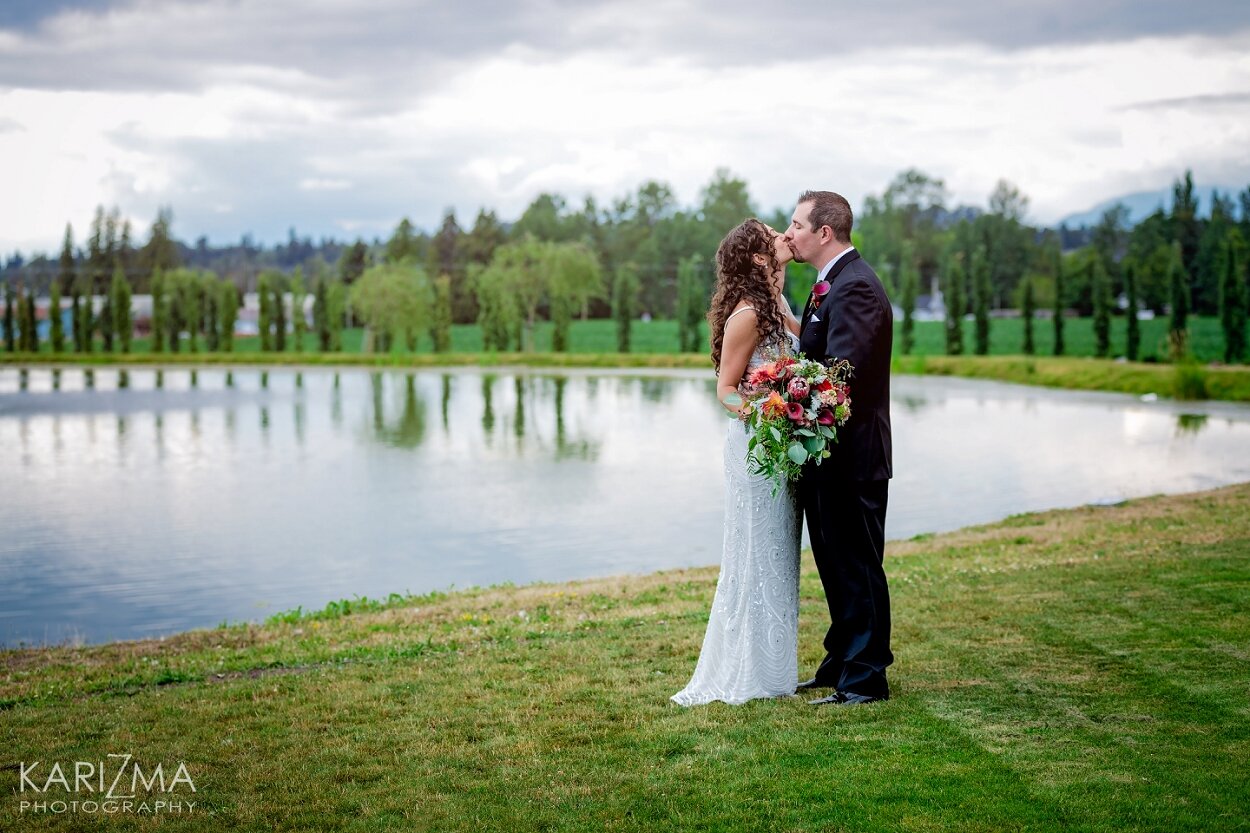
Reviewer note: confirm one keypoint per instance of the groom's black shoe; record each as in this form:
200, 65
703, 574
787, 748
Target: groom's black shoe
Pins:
845, 698
808, 685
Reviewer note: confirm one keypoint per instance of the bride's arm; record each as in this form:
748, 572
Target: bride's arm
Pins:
735, 353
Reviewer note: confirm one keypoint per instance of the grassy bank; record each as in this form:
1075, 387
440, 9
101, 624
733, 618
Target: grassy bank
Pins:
1182, 382
660, 336
1079, 670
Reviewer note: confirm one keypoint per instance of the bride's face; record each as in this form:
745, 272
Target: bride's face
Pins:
781, 248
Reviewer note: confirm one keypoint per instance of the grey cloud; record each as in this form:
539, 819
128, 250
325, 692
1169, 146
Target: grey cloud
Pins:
8, 125
1194, 102
259, 180
377, 50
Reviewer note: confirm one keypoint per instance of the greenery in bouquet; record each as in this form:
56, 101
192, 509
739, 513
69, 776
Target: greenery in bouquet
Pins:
794, 407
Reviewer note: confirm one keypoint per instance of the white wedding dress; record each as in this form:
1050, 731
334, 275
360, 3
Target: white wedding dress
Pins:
750, 649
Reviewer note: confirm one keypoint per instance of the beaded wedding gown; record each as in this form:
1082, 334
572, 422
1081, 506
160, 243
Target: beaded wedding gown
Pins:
750, 649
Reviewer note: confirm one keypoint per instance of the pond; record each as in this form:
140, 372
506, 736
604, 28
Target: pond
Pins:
139, 502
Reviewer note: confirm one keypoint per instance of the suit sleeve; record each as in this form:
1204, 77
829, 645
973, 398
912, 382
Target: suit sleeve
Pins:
855, 315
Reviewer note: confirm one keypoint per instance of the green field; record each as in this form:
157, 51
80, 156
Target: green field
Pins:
1077, 670
660, 336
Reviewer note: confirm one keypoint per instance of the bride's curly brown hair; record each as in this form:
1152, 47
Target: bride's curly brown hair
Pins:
740, 278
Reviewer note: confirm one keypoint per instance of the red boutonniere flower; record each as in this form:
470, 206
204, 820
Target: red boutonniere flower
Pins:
819, 290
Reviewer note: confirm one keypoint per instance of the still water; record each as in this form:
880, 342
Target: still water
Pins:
140, 502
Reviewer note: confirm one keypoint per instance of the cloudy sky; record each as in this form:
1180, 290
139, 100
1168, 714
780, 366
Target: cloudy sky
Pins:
338, 117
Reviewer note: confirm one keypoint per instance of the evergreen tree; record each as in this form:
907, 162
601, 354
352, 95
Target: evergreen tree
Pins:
30, 323
1233, 299
1186, 232
1132, 346
10, 317
336, 307
321, 314
57, 336
910, 282
1028, 311
1178, 284
440, 324
160, 253
228, 303
264, 291
624, 298
1060, 297
691, 303
210, 318
64, 280
279, 311
981, 290
1100, 291
403, 245
104, 323
123, 323
299, 324
160, 311
76, 319
954, 305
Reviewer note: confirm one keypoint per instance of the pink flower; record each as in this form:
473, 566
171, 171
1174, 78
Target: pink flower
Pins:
798, 388
819, 290
794, 411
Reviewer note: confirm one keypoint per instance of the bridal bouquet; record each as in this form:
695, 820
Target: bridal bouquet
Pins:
794, 407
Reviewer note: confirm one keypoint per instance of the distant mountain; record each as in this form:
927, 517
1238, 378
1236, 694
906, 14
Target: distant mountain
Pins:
1144, 203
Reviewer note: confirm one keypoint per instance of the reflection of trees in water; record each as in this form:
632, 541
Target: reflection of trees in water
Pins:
446, 380
911, 404
336, 403
656, 390
409, 430
518, 418
1190, 423
488, 408
299, 423
580, 448
527, 387
264, 380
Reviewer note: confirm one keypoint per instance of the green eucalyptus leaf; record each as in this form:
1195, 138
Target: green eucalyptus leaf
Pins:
797, 453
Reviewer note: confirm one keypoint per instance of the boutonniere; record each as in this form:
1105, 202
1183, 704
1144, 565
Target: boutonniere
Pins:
819, 290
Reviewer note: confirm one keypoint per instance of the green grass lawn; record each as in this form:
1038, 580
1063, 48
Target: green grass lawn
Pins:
1076, 670
660, 336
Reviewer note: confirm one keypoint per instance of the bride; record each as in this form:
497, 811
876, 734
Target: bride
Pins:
750, 649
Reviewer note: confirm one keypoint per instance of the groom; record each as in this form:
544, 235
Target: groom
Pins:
844, 497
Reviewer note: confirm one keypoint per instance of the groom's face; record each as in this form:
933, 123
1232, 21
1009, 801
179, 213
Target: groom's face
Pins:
802, 240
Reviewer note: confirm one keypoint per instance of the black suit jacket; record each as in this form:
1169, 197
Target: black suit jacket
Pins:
855, 322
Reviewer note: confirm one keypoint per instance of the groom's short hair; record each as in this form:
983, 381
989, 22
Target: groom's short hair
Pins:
829, 209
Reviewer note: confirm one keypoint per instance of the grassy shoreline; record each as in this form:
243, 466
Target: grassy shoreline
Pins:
1228, 383
1075, 669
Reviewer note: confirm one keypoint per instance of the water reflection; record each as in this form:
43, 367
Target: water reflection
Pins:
582, 473
408, 431
1190, 423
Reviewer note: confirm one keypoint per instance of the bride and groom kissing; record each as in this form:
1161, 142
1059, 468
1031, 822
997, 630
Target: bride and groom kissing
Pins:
750, 648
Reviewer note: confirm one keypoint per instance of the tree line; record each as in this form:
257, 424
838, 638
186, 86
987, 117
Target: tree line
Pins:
643, 254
